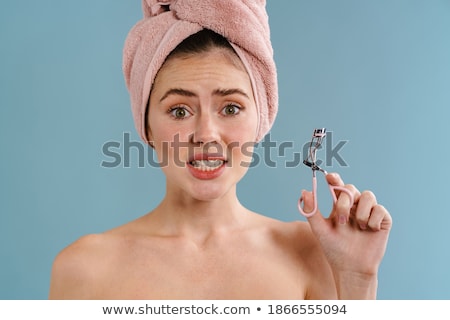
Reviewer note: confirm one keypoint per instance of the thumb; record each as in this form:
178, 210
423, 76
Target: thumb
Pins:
316, 221
308, 201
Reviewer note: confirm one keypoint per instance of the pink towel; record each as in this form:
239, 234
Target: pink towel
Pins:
244, 23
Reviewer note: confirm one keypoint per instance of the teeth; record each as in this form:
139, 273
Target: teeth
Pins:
206, 165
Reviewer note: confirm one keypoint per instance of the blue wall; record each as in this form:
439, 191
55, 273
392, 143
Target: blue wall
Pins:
375, 73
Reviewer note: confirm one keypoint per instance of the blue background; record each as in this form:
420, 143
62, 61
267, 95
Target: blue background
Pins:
376, 73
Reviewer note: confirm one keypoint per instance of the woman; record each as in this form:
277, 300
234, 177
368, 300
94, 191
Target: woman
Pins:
198, 98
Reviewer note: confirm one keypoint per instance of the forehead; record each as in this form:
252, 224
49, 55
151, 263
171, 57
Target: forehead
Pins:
227, 54
219, 61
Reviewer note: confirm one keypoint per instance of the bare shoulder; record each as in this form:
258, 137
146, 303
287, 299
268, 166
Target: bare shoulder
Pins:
297, 240
84, 269
78, 267
294, 234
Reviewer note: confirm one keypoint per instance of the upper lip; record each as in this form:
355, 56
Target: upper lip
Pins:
206, 156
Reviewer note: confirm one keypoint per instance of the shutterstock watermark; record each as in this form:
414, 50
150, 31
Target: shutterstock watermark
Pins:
127, 153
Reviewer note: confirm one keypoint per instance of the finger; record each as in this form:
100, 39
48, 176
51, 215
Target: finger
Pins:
316, 221
379, 219
308, 201
344, 203
334, 179
366, 202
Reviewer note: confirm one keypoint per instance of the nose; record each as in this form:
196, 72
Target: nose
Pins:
206, 130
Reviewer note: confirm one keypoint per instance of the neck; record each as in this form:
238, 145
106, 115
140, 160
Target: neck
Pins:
181, 215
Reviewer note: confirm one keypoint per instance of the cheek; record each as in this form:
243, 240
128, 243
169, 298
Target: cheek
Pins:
168, 131
241, 146
171, 143
243, 155
244, 132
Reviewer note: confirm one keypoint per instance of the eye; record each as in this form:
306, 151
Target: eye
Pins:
231, 110
179, 112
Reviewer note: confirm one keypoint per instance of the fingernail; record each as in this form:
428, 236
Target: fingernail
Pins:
342, 220
363, 226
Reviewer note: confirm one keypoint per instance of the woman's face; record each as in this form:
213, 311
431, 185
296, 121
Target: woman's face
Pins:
202, 123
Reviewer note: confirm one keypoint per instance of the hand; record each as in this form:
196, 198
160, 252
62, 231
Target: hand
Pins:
355, 235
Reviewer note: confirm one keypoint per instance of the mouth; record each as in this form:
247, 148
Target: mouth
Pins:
206, 165
207, 162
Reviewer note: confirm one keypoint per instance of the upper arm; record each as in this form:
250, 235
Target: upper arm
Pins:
319, 276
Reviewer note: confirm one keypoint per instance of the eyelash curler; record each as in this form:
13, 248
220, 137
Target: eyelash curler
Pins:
316, 141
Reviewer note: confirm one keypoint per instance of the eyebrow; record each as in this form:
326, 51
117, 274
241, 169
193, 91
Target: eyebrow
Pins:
178, 92
217, 92
229, 92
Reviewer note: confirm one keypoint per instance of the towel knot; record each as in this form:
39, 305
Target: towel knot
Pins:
157, 7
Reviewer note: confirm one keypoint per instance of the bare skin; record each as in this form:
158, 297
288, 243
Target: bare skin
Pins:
256, 258
200, 242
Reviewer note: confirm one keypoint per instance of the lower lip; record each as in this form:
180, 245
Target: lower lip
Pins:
206, 175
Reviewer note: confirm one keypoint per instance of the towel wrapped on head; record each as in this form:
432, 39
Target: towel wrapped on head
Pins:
244, 23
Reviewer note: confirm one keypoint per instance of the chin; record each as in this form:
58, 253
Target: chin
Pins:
208, 193
203, 190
